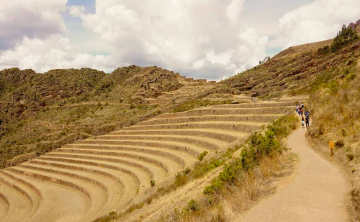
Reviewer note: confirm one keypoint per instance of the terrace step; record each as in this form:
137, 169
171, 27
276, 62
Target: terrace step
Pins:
59, 202
223, 135
168, 165
93, 190
32, 193
19, 205
223, 118
184, 147
257, 105
4, 207
153, 170
209, 143
129, 173
181, 158
108, 185
226, 111
118, 183
247, 127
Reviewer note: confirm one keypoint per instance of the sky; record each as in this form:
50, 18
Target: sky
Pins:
211, 39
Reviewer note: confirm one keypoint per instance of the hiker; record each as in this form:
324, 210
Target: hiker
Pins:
302, 121
296, 109
307, 118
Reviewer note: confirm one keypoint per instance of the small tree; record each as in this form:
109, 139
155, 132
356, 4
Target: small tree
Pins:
344, 37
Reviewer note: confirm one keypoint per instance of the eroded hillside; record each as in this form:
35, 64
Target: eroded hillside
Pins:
42, 112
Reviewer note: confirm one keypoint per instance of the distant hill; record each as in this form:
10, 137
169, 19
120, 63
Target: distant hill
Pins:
41, 112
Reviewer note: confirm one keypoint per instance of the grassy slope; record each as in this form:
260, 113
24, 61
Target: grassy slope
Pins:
41, 112
335, 111
293, 71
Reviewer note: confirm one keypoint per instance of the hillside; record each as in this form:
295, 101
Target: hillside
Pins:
297, 70
149, 144
41, 112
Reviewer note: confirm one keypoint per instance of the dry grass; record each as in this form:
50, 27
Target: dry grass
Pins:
335, 112
235, 198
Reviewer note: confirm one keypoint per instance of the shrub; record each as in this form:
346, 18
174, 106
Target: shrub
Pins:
350, 156
192, 205
152, 182
339, 143
180, 179
202, 155
324, 50
187, 170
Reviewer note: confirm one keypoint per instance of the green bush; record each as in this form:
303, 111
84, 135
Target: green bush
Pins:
192, 205
202, 155
324, 50
152, 182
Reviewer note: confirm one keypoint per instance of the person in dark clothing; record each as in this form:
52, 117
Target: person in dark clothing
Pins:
307, 118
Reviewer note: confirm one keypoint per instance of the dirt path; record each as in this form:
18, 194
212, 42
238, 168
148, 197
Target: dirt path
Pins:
316, 192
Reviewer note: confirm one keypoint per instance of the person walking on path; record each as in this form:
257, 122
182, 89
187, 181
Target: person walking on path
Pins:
302, 121
307, 118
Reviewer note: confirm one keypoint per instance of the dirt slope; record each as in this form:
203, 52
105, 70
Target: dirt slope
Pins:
316, 192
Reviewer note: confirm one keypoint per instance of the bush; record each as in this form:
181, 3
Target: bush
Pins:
180, 179
324, 50
192, 205
202, 155
339, 143
350, 156
152, 182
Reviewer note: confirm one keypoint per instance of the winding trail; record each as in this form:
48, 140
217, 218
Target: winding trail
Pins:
315, 193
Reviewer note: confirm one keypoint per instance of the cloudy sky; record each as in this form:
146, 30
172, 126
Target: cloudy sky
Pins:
199, 38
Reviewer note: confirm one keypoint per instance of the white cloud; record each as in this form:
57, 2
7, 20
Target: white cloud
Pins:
198, 64
184, 35
317, 21
52, 53
35, 18
234, 10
